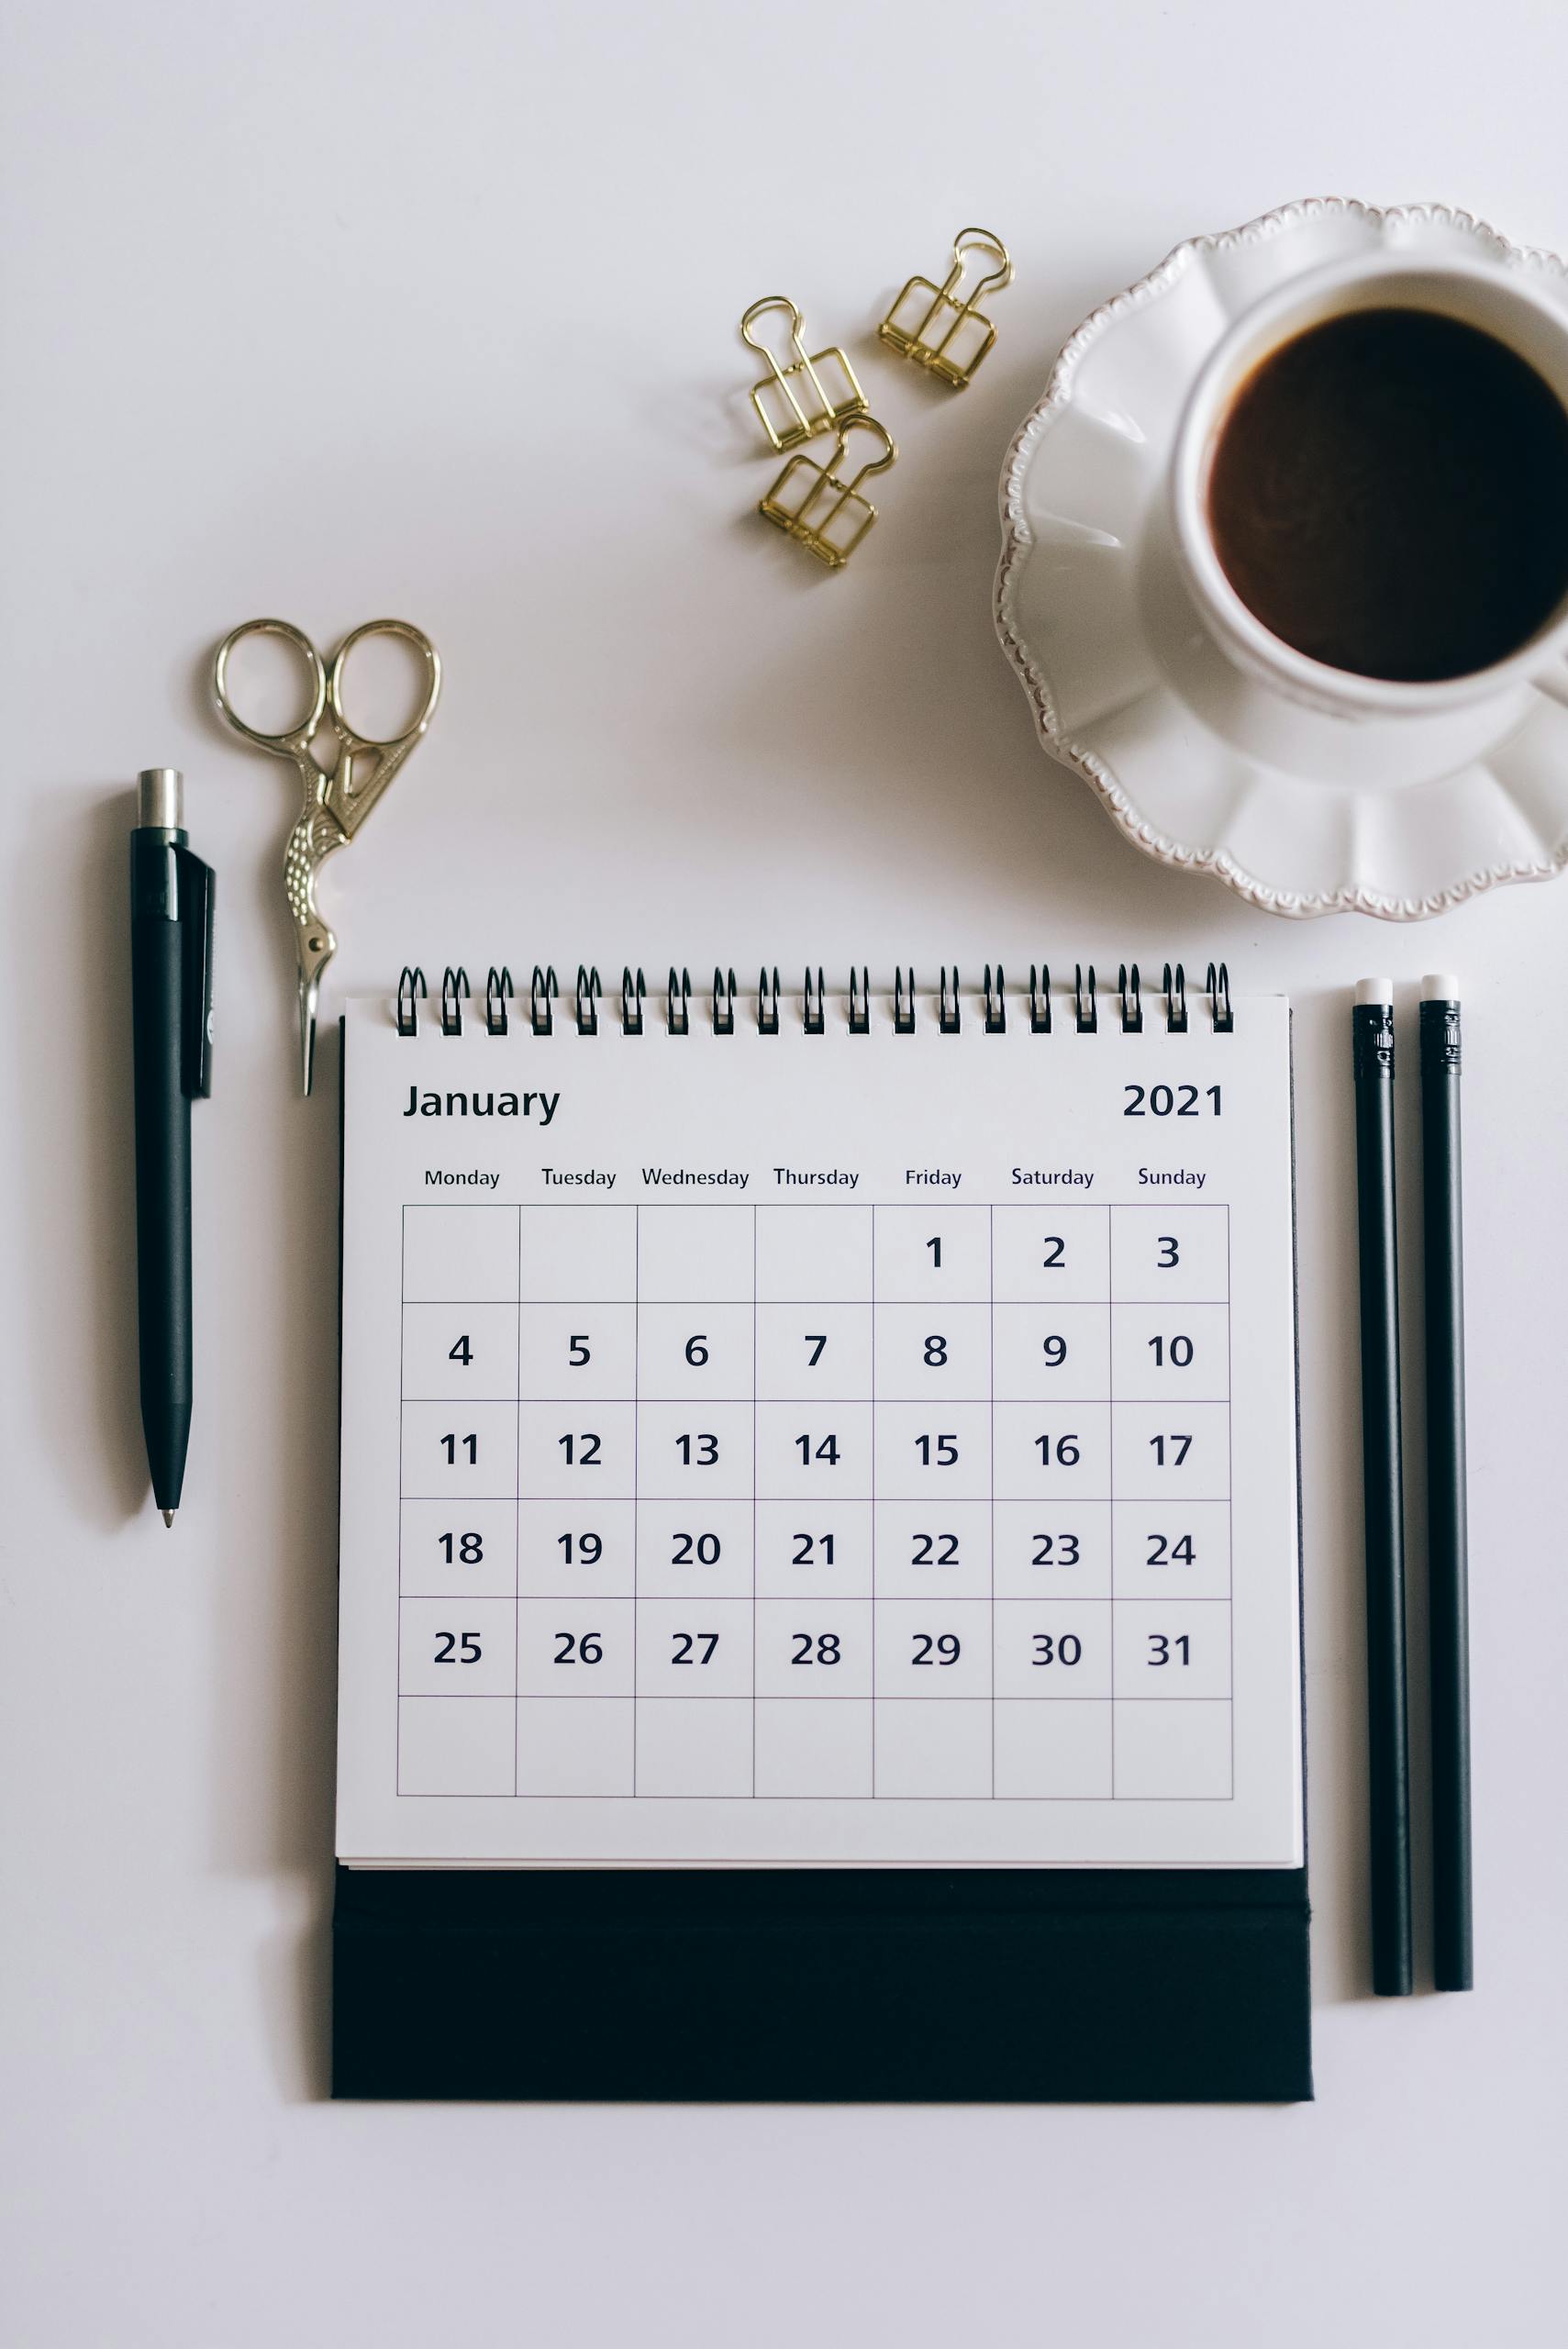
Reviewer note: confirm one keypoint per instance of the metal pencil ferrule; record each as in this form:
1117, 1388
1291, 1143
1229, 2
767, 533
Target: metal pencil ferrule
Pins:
1371, 1031
1441, 1045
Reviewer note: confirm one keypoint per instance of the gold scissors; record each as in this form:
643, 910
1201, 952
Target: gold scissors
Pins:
337, 799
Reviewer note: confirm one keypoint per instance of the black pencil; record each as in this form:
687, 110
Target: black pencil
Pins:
1372, 1023
1452, 1949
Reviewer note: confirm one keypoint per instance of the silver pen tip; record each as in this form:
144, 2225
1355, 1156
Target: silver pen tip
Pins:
167, 1517
160, 798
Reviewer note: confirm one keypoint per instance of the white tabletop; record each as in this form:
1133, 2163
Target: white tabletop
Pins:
332, 311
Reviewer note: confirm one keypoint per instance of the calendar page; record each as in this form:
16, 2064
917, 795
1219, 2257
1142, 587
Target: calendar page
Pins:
810, 1449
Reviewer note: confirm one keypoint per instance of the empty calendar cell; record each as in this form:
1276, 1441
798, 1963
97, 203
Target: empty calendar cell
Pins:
695, 1349
1056, 1652
468, 1547
933, 1254
1166, 1551
693, 1252
1056, 1451
936, 1450
1052, 1254
575, 1451
696, 1648
809, 1745
698, 1746
461, 1450
933, 1549
939, 1649
1052, 1549
468, 1351
576, 1648
1173, 1752
1041, 1352
583, 1351
571, 1749
1166, 1651
1162, 1350
1172, 1451
699, 1546
448, 1745
810, 1547
459, 1253
814, 1450
814, 1648
1058, 1753
1170, 1254
814, 1254
457, 1647
571, 1251
924, 1751
933, 1352
697, 1450
576, 1546
809, 1350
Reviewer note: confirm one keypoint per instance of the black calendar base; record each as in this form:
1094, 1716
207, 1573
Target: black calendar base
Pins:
823, 1986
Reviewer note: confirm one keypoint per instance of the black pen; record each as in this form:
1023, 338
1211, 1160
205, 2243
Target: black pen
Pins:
171, 996
1371, 1025
1453, 1955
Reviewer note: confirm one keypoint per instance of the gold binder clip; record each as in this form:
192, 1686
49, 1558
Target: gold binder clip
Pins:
931, 326
794, 403
821, 506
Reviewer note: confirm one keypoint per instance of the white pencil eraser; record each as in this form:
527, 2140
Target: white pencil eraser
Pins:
1440, 986
1375, 990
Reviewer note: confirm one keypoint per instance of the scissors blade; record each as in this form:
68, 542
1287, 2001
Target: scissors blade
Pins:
310, 990
311, 842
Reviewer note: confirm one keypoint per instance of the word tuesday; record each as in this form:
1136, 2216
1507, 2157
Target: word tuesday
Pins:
481, 1105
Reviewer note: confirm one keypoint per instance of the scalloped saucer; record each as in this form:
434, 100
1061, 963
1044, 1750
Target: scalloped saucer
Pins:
1202, 766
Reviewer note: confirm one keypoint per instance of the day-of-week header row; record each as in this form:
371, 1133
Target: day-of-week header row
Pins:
732, 1179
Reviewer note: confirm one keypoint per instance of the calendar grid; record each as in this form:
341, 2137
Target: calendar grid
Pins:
1034, 1670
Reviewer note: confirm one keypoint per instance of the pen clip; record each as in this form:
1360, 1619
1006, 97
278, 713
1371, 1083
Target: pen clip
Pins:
195, 893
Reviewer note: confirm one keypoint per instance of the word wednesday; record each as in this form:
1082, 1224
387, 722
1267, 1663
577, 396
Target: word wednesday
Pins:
481, 1105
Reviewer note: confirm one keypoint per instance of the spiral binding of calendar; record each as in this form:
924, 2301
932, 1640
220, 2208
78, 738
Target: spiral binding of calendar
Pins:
1079, 1001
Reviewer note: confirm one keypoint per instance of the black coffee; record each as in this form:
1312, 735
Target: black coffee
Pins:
1389, 495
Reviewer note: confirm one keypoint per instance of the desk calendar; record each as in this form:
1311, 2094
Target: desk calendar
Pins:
833, 1447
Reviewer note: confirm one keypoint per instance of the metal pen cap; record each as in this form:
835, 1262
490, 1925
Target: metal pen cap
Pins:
161, 799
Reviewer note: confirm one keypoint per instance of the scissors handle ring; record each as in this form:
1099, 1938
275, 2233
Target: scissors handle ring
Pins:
409, 734
294, 739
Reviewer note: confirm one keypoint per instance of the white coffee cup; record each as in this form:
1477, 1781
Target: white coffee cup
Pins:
1528, 316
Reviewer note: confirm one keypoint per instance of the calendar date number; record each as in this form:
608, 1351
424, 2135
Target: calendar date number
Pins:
578, 1647
936, 1647
458, 1647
